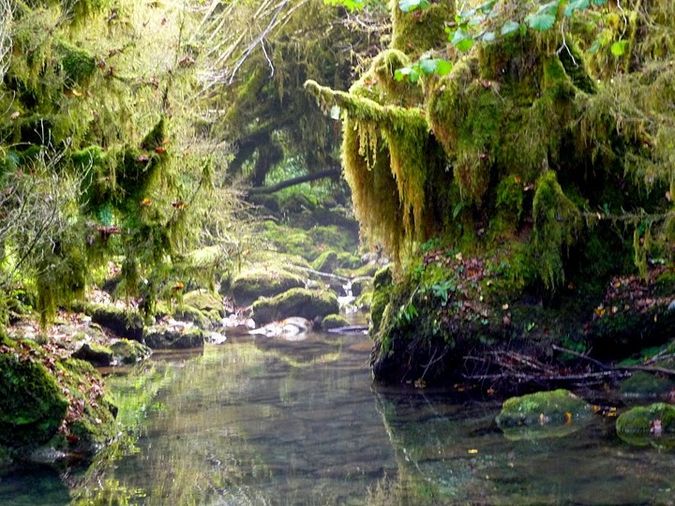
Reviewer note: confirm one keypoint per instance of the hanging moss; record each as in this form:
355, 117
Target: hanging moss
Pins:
556, 224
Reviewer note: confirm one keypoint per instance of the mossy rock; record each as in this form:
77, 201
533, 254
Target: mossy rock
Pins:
129, 352
555, 408
121, 322
334, 321
644, 385
361, 285
32, 405
368, 270
96, 354
309, 304
263, 281
326, 262
637, 426
191, 314
205, 301
94, 425
163, 337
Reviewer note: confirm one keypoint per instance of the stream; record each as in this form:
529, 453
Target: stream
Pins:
260, 421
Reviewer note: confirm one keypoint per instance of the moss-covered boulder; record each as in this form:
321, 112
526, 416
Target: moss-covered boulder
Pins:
554, 408
263, 281
96, 354
121, 322
330, 260
334, 321
206, 301
189, 314
174, 337
51, 407
126, 351
361, 285
32, 406
90, 420
301, 302
645, 425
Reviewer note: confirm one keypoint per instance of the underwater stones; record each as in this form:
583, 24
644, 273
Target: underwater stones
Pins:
648, 425
334, 321
557, 408
263, 281
95, 354
174, 336
129, 352
301, 302
32, 405
123, 323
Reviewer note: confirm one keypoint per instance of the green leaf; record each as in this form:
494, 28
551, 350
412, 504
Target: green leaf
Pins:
402, 73
576, 5
488, 37
487, 6
350, 5
435, 66
443, 67
413, 5
544, 18
510, 27
619, 48
540, 22
462, 40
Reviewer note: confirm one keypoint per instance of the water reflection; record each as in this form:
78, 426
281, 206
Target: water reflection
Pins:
264, 421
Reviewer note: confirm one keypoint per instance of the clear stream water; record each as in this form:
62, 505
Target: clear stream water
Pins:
260, 421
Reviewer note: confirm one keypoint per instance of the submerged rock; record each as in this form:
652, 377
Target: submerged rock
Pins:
648, 425
301, 302
543, 414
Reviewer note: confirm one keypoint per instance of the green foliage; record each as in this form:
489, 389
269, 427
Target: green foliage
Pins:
424, 67
413, 5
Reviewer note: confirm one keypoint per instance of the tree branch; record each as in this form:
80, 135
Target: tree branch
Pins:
266, 190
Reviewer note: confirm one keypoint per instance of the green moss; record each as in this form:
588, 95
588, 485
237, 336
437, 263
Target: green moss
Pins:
123, 323
416, 32
334, 321
129, 352
295, 302
205, 301
94, 353
31, 403
263, 281
636, 426
645, 385
556, 224
77, 64
557, 407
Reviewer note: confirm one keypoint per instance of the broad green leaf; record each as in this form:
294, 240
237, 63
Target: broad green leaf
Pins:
540, 22
402, 73
619, 48
462, 40
576, 5
510, 27
443, 67
544, 18
413, 5
435, 66
488, 37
